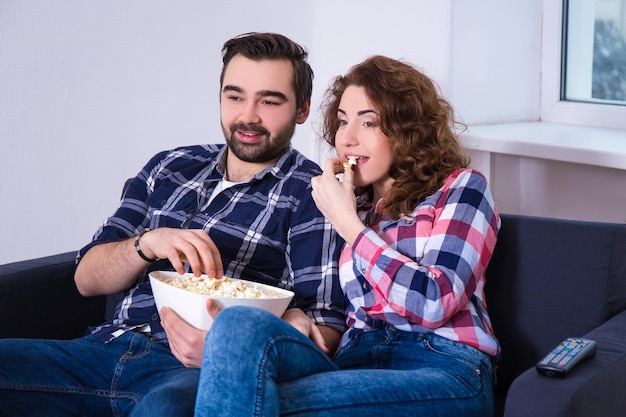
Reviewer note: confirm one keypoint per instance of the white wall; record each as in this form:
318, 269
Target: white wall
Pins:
548, 188
495, 69
496, 77
89, 91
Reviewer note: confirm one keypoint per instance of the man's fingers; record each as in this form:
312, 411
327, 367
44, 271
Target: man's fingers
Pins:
212, 260
212, 308
195, 248
318, 339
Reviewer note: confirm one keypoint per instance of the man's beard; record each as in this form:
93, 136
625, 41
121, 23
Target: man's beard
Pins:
267, 149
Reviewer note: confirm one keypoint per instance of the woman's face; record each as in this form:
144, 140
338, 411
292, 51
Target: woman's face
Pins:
359, 134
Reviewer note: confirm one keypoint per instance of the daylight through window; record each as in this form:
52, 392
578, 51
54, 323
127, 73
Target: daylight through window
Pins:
594, 57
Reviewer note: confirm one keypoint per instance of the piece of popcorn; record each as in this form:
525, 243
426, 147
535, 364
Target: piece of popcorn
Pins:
351, 161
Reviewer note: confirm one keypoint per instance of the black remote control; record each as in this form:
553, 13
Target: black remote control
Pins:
566, 355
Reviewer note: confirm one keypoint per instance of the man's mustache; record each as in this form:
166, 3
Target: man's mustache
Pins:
249, 128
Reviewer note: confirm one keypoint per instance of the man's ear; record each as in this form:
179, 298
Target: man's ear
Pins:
303, 112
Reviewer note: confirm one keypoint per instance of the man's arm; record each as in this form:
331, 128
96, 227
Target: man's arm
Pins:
108, 268
113, 267
313, 250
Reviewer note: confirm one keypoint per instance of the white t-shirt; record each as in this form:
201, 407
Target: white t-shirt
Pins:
221, 186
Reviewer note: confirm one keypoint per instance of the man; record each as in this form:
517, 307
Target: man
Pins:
243, 209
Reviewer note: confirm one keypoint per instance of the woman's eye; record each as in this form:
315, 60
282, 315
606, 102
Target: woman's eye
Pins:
369, 124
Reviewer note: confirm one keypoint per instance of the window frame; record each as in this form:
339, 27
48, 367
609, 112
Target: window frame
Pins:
553, 107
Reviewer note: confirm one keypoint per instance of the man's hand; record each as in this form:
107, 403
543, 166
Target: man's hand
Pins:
305, 325
186, 342
179, 246
213, 308
115, 266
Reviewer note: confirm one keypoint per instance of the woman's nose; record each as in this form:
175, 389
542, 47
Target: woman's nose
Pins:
347, 136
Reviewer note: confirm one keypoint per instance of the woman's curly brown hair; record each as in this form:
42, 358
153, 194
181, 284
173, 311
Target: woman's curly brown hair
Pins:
418, 121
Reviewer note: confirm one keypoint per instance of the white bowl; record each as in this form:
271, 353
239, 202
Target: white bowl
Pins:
191, 306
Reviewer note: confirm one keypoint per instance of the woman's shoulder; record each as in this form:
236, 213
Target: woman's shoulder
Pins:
465, 177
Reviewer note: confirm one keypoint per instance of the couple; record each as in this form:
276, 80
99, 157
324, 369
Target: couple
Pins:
387, 264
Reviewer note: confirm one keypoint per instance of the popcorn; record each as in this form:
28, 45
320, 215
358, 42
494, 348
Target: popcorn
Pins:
224, 287
351, 161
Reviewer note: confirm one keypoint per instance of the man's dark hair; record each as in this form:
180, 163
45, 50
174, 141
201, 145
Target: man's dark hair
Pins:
273, 46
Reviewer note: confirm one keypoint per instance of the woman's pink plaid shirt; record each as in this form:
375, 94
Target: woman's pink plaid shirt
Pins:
426, 273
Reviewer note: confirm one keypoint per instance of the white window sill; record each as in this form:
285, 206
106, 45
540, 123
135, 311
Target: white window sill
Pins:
560, 142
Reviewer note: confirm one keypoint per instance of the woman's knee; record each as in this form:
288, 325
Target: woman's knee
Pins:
240, 322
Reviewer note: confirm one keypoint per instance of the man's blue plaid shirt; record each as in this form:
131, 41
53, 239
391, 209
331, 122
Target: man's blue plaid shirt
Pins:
267, 230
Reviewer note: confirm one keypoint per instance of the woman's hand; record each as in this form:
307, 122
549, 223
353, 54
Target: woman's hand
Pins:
336, 199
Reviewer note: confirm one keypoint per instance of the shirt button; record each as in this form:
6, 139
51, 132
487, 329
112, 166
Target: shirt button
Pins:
248, 222
363, 271
154, 317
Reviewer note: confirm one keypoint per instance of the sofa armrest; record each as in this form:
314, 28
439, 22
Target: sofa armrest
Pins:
38, 299
594, 388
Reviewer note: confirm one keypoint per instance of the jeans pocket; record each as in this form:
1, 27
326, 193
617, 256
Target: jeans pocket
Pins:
473, 366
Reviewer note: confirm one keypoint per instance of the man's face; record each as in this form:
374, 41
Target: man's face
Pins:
258, 108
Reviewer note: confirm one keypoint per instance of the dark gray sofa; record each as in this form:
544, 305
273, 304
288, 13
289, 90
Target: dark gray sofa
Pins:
549, 279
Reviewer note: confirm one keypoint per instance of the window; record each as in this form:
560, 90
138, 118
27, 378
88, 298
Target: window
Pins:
584, 62
596, 32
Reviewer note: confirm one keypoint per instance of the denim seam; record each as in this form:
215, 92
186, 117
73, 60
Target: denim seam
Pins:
258, 406
45, 388
114, 394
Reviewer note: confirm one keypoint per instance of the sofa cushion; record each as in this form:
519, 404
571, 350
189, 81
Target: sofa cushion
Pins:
593, 388
38, 298
550, 279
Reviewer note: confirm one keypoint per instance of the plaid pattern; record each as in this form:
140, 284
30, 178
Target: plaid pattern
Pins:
426, 273
268, 230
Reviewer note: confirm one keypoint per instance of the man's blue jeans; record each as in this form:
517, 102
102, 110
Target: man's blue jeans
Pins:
257, 365
131, 376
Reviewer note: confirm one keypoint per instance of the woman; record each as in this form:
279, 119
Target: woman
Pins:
420, 228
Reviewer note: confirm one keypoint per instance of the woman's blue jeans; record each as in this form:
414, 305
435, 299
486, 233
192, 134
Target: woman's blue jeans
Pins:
257, 365
131, 376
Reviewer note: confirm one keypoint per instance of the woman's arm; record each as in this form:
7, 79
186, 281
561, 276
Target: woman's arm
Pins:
452, 241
